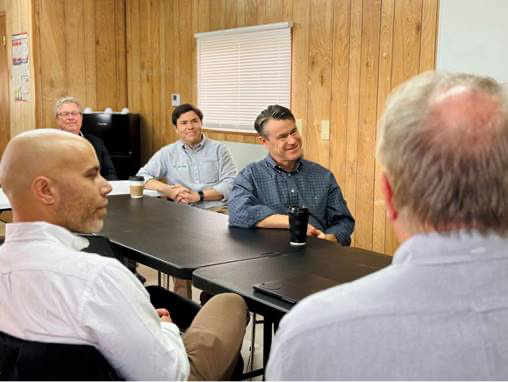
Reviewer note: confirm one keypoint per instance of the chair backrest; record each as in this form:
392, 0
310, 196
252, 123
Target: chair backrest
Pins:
100, 245
22, 360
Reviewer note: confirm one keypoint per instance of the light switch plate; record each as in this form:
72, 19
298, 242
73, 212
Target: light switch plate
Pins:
325, 130
175, 99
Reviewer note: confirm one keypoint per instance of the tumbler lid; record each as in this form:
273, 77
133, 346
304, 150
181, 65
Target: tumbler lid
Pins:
136, 178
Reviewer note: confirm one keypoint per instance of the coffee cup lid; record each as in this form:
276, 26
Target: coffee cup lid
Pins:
297, 209
137, 178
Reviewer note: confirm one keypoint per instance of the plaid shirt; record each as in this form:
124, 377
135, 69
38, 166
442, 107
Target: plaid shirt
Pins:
264, 188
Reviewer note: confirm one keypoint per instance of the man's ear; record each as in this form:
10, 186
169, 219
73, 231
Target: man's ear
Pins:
262, 140
386, 189
44, 190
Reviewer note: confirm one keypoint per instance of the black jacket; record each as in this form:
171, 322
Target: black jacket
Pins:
107, 168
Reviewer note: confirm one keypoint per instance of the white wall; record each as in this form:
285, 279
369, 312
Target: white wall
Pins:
472, 37
245, 153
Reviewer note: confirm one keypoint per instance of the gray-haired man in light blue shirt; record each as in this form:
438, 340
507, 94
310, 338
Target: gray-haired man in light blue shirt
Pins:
199, 171
440, 311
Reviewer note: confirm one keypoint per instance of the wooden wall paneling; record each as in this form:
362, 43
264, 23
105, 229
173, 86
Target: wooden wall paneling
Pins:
407, 39
5, 125
52, 57
287, 10
121, 55
106, 84
300, 63
168, 86
367, 123
75, 63
217, 14
195, 29
134, 66
273, 11
260, 10
186, 43
146, 64
339, 101
230, 14
406, 63
429, 35
90, 97
247, 13
157, 88
320, 72
384, 88
37, 58
355, 44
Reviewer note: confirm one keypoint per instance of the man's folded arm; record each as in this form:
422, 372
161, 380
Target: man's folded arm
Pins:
340, 222
245, 210
131, 336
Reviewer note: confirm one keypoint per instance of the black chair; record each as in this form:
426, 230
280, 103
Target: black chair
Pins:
22, 360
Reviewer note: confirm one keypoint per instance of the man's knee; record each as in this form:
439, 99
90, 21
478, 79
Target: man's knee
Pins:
231, 301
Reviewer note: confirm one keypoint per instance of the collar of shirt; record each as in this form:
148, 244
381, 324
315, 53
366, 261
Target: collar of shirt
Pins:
272, 164
44, 231
454, 247
196, 148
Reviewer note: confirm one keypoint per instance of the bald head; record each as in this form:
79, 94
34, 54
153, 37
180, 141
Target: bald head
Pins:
45, 171
37, 152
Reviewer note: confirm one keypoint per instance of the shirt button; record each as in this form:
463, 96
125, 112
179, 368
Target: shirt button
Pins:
292, 190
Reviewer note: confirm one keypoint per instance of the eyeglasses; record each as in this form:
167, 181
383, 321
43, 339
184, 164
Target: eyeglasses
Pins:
65, 114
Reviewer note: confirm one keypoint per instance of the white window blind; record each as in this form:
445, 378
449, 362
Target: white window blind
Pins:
242, 71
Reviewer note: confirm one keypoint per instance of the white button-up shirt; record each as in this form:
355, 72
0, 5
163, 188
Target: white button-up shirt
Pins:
52, 292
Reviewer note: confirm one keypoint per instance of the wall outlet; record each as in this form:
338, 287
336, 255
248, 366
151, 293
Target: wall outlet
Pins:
299, 126
175, 99
325, 130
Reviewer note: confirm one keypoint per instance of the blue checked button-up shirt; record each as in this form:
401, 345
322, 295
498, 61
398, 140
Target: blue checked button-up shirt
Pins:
263, 189
208, 165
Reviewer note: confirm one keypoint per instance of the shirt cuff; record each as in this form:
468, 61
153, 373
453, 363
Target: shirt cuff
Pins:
223, 189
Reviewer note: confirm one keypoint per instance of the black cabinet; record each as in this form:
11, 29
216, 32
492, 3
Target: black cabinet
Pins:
121, 135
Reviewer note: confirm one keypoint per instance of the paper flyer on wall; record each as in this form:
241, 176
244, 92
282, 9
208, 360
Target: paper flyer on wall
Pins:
20, 68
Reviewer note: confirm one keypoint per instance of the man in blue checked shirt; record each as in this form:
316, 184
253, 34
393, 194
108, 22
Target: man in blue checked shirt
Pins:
264, 190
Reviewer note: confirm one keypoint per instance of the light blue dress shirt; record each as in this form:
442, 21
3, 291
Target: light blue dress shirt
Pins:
439, 312
207, 165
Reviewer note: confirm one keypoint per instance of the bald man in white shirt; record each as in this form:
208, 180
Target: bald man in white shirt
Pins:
53, 292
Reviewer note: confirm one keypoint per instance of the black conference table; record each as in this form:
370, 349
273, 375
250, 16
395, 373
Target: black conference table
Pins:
177, 239
192, 243
318, 257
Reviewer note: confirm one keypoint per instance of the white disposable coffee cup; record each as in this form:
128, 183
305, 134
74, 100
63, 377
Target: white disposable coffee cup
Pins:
136, 186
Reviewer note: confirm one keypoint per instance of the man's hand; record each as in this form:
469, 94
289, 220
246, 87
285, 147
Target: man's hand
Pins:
164, 315
187, 197
313, 231
173, 192
327, 236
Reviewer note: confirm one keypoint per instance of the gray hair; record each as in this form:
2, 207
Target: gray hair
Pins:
62, 101
448, 167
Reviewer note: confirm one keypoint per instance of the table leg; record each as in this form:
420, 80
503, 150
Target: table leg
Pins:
267, 339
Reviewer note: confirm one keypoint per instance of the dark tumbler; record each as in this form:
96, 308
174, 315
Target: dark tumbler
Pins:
298, 221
